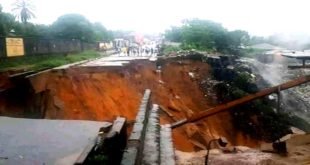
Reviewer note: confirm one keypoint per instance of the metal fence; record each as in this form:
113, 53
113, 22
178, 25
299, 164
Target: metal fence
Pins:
40, 46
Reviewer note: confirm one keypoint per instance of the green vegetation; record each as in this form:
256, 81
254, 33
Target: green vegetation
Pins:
258, 118
167, 49
44, 61
97, 159
7, 21
76, 26
68, 26
208, 36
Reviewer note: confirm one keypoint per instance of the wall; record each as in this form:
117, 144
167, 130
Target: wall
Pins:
38, 46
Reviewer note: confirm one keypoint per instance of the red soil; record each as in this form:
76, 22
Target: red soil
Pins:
93, 94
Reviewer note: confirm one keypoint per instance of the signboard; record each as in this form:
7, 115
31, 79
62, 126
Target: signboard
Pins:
14, 47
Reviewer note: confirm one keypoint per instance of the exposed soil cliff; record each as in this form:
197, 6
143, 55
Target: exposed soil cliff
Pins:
104, 93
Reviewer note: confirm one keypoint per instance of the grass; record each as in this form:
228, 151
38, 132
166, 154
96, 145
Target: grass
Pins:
44, 61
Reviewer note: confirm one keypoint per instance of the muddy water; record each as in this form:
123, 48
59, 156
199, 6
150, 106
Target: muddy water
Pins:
101, 94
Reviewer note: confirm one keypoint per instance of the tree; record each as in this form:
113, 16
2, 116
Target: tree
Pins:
204, 34
32, 30
23, 10
69, 26
237, 39
174, 34
101, 33
73, 26
7, 22
208, 35
257, 40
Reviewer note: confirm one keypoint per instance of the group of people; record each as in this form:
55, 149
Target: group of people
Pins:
138, 51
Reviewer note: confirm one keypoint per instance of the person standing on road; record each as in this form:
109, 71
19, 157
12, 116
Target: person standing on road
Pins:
128, 50
147, 51
134, 51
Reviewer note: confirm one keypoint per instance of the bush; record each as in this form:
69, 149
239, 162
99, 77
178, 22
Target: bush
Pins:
167, 49
273, 125
256, 118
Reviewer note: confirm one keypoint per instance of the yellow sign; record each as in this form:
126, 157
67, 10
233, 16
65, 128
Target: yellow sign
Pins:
14, 47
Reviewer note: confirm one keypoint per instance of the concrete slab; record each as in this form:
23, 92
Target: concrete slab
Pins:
105, 63
298, 55
41, 141
117, 60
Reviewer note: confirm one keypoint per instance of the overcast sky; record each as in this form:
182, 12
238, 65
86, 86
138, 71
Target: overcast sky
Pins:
258, 17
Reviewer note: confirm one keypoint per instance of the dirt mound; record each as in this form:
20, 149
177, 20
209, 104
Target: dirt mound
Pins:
104, 93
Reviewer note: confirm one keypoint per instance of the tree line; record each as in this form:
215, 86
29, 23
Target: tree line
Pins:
211, 36
207, 35
68, 26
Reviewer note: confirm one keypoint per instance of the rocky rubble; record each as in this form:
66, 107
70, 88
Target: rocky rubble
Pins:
295, 100
298, 153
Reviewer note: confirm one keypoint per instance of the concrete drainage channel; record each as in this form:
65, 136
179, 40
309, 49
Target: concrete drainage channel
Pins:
149, 142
